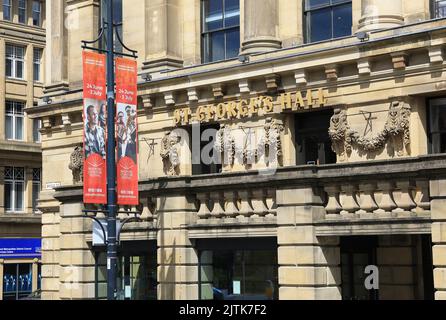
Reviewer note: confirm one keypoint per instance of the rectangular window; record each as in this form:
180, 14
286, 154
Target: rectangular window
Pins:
37, 185
37, 125
15, 61
439, 8
220, 29
14, 189
327, 19
14, 120
37, 60
7, 8
22, 11
437, 126
37, 13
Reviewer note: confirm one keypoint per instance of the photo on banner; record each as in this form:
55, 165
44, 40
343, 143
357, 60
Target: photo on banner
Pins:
94, 115
127, 131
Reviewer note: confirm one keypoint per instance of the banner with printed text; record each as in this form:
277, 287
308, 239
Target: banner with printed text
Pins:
95, 173
126, 132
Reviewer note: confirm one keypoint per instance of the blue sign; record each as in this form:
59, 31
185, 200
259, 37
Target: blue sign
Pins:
20, 248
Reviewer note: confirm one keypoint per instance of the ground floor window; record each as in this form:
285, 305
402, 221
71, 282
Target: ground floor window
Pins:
17, 280
239, 272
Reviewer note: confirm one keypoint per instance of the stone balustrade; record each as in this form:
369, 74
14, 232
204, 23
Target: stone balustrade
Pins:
397, 197
242, 206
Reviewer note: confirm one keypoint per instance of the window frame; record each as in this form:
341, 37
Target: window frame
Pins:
307, 21
14, 115
435, 7
9, 6
36, 182
37, 125
431, 105
205, 35
14, 60
39, 12
37, 64
14, 181
23, 11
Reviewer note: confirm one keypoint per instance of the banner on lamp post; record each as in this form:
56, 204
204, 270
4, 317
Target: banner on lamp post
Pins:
94, 114
126, 131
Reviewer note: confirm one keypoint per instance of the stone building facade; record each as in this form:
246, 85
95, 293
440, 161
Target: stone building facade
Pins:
22, 46
329, 121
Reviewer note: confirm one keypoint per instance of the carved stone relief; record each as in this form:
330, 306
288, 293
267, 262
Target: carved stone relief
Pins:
170, 153
76, 164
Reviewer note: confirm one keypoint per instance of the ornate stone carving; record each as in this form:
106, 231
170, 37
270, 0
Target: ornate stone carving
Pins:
170, 154
77, 164
271, 145
396, 127
225, 144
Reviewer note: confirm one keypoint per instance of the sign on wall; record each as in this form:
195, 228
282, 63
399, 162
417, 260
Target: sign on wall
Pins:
20, 248
126, 131
95, 173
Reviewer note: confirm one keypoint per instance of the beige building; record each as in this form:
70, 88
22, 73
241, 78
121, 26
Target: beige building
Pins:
22, 44
329, 118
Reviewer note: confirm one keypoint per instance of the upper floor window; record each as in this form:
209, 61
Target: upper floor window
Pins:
439, 8
14, 189
37, 60
37, 125
437, 126
327, 19
7, 8
22, 11
220, 29
37, 185
14, 120
37, 13
14, 61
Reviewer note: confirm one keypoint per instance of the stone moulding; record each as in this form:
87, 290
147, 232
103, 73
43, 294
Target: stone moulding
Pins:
397, 126
169, 153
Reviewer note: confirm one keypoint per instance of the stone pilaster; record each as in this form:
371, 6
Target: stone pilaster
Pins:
56, 72
381, 14
77, 261
2, 88
308, 266
164, 41
438, 214
177, 259
260, 26
29, 90
35, 274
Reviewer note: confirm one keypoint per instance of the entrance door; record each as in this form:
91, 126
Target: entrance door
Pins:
356, 254
17, 280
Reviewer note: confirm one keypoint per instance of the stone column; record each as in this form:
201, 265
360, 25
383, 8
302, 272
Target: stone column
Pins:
164, 41
438, 215
1, 278
2, 88
308, 266
381, 14
260, 26
177, 258
35, 274
29, 90
77, 261
50, 254
2, 190
56, 77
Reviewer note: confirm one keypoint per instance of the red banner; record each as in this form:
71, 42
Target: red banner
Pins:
126, 132
95, 173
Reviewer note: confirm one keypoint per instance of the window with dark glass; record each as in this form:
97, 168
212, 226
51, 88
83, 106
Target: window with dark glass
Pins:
17, 280
220, 29
37, 13
14, 120
327, 19
117, 20
37, 185
37, 125
14, 189
15, 60
209, 162
439, 8
7, 8
437, 126
37, 60
313, 144
22, 11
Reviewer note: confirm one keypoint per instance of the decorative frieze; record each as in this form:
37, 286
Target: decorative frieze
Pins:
192, 95
399, 60
169, 98
364, 67
147, 102
301, 77
436, 55
331, 72
217, 91
272, 83
244, 86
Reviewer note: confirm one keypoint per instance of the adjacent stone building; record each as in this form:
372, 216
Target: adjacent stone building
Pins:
329, 118
22, 45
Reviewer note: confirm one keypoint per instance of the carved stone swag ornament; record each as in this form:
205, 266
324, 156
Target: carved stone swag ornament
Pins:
76, 164
170, 154
396, 129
